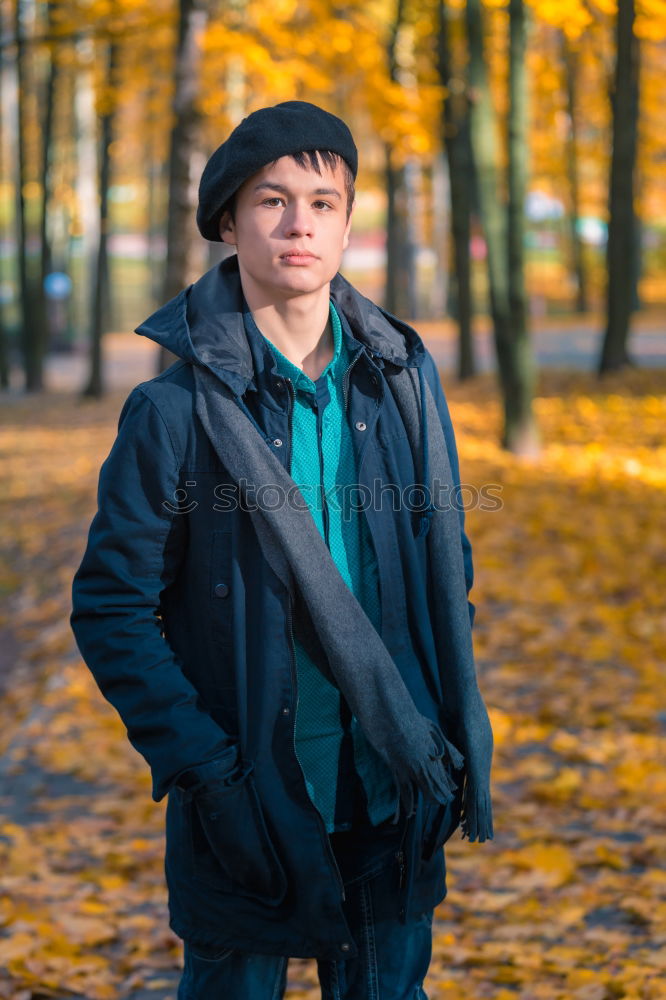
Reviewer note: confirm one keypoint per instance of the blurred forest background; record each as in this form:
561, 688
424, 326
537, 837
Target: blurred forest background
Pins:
512, 162
512, 204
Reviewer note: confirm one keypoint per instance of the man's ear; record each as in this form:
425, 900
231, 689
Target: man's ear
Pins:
227, 229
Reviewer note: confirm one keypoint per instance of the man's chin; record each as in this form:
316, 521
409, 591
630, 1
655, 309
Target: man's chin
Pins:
302, 283
288, 283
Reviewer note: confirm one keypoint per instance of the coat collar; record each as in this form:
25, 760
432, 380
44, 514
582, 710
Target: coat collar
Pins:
204, 324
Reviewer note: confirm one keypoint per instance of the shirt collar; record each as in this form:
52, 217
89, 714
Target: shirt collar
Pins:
289, 370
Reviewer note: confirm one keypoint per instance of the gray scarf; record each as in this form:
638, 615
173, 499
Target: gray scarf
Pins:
414, 748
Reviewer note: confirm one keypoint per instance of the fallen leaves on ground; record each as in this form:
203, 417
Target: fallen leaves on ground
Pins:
567, 903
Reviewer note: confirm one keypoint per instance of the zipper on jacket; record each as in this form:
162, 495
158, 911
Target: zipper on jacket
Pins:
345, 376
400, 856
294, 683
290, 419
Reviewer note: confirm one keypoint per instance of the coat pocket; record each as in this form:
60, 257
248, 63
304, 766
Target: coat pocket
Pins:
232, 848
440, 822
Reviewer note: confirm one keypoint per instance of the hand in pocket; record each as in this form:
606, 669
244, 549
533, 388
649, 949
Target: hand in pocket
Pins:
233, 823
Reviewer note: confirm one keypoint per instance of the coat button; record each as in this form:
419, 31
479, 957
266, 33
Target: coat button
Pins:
286, 710
373, 380
345, 946
277, 442
279, 385
221, 589
360, 426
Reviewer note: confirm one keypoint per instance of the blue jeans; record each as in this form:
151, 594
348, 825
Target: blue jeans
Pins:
392, 962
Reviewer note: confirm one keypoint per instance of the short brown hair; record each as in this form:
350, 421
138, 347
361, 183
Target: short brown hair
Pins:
313, 158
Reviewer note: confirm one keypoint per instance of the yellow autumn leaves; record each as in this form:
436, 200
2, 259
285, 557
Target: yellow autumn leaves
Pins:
567, 903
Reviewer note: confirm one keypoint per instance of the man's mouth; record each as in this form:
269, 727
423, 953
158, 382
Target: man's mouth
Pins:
297, 256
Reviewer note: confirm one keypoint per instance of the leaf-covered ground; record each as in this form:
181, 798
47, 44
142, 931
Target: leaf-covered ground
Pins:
567, 903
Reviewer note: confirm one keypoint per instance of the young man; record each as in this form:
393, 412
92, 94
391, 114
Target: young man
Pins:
274, 594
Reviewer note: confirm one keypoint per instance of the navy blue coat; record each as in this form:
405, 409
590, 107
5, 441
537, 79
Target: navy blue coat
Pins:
184, 624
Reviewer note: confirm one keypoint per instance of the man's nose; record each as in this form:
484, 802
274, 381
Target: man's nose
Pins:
298, 219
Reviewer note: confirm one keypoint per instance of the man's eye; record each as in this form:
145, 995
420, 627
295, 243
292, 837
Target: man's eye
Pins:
272, 202
322, 204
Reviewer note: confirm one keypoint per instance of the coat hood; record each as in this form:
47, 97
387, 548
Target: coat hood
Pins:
204, 325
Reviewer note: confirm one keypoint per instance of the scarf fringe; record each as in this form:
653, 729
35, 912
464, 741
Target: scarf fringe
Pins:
446, 750
476, 817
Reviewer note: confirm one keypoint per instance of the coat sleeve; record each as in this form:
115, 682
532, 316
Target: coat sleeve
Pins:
432, 376
134, 549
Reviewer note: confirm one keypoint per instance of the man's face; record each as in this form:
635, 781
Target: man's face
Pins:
290, 228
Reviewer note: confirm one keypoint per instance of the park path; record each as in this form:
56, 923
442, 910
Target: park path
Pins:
572, 343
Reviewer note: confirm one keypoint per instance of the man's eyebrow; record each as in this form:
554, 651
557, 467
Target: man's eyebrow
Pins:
268, 186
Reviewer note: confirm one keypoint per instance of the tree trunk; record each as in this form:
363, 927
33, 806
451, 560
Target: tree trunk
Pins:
400, 271
396, 297
4, 339
621, 250
155, 214
571, 64
156, 169
33, 322
47, 139
637, 264
513, 352
86, 131
100, 297
458, 147
412, 179
63, 214
155, 228
441, 236
184, 145
520, 432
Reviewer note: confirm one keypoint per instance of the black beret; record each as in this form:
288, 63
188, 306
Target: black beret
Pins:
261, 138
